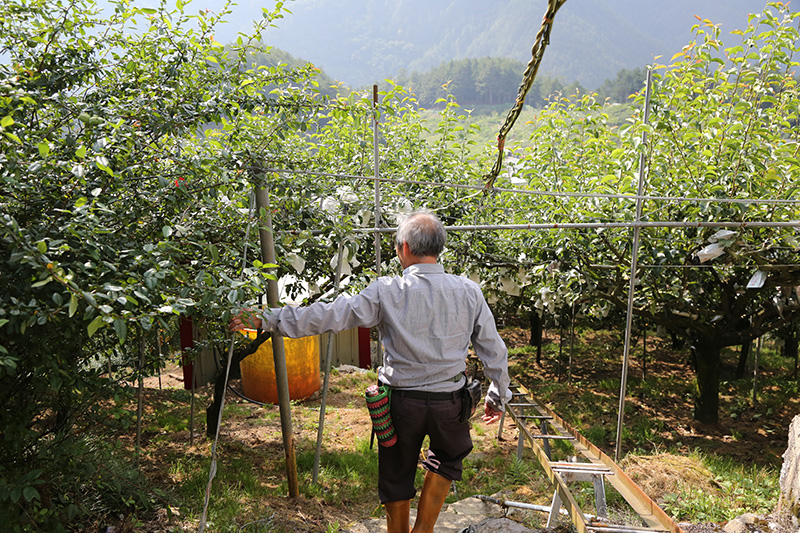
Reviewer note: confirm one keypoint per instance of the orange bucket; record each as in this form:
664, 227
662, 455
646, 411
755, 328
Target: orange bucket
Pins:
302, 369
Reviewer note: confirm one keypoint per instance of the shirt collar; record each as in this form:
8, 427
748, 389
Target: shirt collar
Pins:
424, 268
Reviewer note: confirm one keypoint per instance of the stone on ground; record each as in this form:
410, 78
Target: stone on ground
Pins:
470, 515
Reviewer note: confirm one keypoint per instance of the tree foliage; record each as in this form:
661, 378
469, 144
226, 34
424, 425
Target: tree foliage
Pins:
485, 81
722, 145
127, 149
131, 144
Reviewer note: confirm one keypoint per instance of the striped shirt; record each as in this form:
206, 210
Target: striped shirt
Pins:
427, 319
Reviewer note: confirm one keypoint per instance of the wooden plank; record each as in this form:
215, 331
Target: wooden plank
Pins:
642, 504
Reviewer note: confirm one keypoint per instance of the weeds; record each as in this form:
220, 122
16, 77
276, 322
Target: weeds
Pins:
250, 488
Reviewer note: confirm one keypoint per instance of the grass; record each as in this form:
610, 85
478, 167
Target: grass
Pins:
718, 480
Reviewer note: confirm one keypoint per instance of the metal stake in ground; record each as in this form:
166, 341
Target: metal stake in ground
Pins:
327, 369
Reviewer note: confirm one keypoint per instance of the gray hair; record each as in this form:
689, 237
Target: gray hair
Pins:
424, 234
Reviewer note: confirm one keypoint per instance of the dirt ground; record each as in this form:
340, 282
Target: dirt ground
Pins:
744, 438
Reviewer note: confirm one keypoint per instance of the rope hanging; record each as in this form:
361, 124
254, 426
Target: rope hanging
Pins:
537, 52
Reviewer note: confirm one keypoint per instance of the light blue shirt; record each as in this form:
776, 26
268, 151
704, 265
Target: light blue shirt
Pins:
427, 319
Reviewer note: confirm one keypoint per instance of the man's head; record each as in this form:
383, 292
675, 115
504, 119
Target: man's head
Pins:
424, 235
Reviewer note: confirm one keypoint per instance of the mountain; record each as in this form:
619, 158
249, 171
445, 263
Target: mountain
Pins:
362, 42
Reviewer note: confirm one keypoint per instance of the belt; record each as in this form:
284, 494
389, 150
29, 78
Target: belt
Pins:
422, 395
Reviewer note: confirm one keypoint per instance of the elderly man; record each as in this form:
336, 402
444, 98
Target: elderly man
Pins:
428, 319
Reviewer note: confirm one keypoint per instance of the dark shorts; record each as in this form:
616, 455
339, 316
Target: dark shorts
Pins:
413, 419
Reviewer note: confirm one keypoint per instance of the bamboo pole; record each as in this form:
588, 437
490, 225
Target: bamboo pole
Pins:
278, 349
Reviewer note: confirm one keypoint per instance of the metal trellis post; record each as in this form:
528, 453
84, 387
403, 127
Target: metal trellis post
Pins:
327, 369
632, 285
377, 171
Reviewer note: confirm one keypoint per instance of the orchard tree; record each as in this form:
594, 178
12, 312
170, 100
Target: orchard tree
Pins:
127, 156
723, 128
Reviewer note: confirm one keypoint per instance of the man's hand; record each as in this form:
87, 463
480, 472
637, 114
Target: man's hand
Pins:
490, 414
246, 319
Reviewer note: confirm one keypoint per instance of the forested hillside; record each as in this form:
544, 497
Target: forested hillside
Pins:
365, 41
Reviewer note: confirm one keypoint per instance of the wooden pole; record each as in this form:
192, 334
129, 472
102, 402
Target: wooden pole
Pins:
278, 350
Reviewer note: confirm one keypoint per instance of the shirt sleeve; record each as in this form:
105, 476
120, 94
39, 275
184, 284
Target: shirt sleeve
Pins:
361, 310
492, 351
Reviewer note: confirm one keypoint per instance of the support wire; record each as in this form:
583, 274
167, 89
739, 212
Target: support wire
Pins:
537, 192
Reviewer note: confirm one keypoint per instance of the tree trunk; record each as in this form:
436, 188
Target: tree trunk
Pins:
644, 351
790, 346
560, 348
706, 394
536, 336
220, 384
744, 354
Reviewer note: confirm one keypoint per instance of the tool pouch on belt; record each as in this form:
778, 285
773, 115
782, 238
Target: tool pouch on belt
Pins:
471, 398
379, 406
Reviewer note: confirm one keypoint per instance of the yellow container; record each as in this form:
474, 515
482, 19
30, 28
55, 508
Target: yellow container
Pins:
302, 369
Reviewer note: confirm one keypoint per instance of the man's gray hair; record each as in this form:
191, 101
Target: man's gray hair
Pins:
424, 234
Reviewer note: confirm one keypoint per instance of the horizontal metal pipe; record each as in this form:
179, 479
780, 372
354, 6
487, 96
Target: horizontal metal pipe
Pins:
521, 505
584, 225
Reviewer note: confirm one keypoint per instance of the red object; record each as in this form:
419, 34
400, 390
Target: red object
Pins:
364, 352
186, 329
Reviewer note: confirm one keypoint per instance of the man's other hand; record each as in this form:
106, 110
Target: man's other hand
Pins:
245, 319
490, 414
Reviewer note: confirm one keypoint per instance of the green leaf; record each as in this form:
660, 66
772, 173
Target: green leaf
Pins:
12, 137
167, 231
41, 246
3, 322
73, 305
7, 121
80, 153
96, 324
45, 281
44, 148
121, 327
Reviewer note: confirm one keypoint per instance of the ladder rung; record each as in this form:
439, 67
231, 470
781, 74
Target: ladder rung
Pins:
623, 529
593, 471
571, 464
535, 417
527, 404
552, 437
